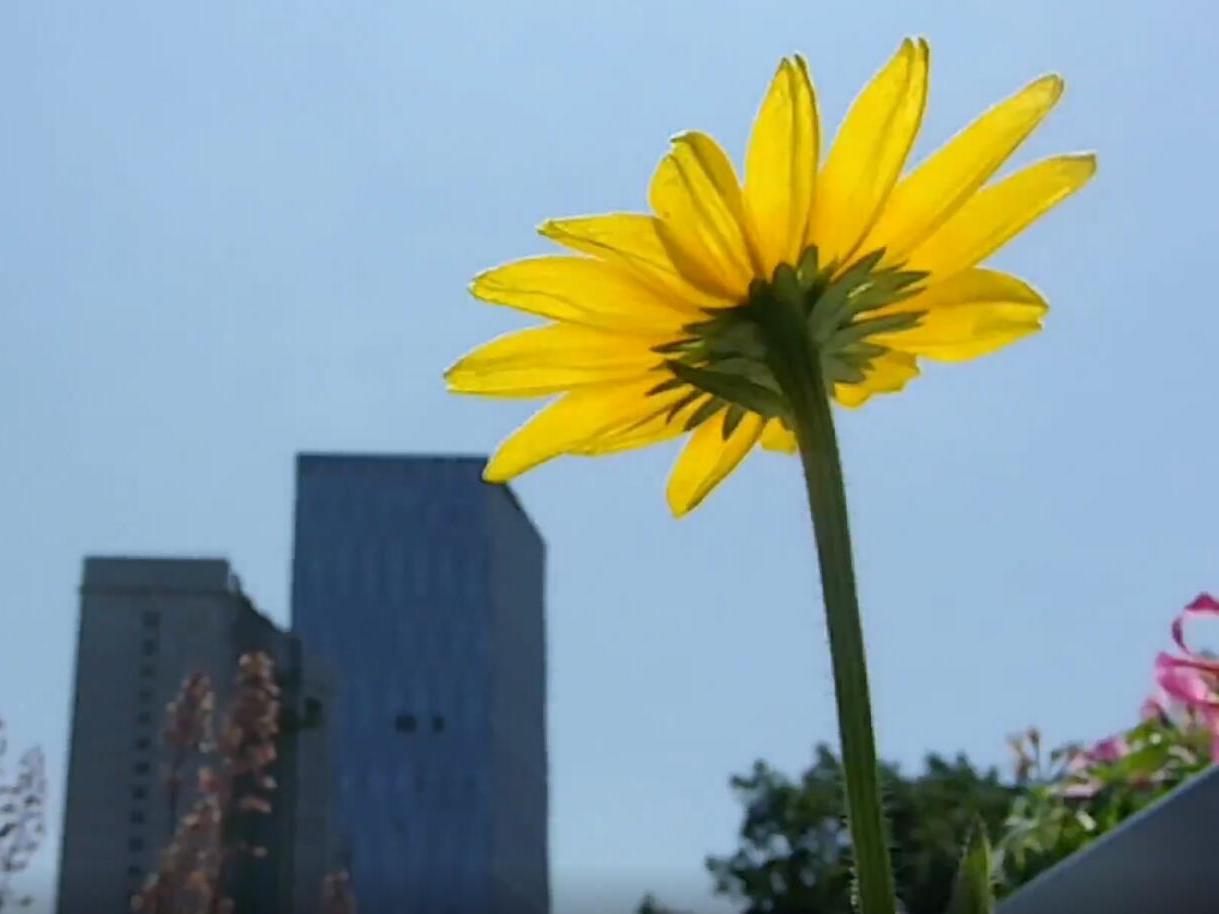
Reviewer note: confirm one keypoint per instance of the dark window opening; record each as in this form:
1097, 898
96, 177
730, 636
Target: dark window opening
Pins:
135, 845
139, 793
137, 817
150, 646
143, 743
134, 872
151, 618
145, 693
147, 671
144, 717
437, 724
405, 723
141, 767
313, 713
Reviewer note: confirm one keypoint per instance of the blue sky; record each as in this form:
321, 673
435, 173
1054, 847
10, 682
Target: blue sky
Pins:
232, 231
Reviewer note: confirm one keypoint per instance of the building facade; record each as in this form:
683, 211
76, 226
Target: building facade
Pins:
423, 587
145, 625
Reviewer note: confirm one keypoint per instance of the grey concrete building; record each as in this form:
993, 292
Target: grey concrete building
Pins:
423, 587
145, 624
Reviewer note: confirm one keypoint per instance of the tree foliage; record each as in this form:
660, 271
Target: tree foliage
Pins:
794, 853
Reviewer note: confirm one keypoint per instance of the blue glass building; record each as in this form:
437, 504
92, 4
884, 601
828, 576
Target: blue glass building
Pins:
423, 588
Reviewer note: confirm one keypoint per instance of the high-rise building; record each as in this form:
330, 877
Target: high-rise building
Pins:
423, 587
145, 625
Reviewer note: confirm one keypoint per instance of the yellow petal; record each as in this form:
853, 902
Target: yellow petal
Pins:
708, 457
575, 419
889, 373
656, 429
777, 437
631, 241
937, 188
972, 314
583, 291
698, 200
993, 215
547, 360
869, 152
781, 165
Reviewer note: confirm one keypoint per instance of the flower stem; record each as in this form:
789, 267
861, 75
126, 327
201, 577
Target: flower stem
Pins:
814, 429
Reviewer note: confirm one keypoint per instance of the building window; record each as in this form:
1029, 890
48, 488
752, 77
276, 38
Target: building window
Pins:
135, 845
139, 793
145, 693
405, 723
141, 767
134, 872
147, 671
143, 744
437, 724
144, 717
151, 618
313, 713
137, 817
150, 646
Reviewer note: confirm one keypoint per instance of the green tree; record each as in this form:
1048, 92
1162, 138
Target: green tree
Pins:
794, 853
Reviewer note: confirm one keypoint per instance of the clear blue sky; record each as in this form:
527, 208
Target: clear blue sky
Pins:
230, 231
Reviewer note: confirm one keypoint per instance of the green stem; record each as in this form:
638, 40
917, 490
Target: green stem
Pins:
814, 428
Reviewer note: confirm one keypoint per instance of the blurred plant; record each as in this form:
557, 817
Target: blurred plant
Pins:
795, 853
189, 723
1072, 795
232, 782
650, 905
1190, 684
338, 896
22, 819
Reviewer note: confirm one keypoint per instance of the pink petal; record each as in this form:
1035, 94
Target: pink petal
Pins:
1078, 761
1080, 790
1153, 708
1110, 749
1184, 680
1203, 603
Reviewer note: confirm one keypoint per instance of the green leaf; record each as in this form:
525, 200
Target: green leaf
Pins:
972, 892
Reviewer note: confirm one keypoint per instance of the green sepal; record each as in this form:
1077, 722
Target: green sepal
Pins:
839, 371
682, 404
678, 345
666, 385
704, 412
860, 330
732, 388
732, 418
786, 287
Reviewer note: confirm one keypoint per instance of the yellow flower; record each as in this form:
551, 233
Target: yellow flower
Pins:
651, 330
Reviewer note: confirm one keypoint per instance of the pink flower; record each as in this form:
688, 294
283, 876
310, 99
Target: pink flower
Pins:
1192, 680
1110, 749
1154, 707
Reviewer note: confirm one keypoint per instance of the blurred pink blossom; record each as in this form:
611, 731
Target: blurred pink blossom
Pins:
1192, 680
